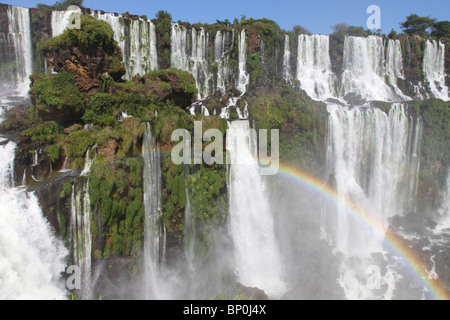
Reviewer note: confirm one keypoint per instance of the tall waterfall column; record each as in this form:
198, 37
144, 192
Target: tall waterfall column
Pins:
258, 262
154, 244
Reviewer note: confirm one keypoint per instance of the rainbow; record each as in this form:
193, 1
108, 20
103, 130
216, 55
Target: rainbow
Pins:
395, 244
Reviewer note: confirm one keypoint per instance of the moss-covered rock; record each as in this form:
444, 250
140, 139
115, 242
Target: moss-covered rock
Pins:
57, 97
86, 53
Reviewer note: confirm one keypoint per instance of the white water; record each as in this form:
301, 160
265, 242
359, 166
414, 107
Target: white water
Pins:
143, 57
243, 78
373, 159
287, 72
434, 69
364, 69
314, 67
19, 28
394, 66
443, 225
192, 57
155, 233
31, 256
138, 48
61, 20
258, 263
221, 58
80, 227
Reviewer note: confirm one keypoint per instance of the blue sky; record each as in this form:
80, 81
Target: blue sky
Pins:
315, 15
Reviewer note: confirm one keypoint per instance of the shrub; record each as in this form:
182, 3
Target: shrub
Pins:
56, 93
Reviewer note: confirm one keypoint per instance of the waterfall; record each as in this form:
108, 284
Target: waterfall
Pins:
443, 225
373, 160
287, 73
32, 257
20, 36
192, 56
142, 48
61, 20
314, 67
244, 77
258, 263
434, 69
154, 250
394, 66
137, 42
80, 227
364, 69
221, 58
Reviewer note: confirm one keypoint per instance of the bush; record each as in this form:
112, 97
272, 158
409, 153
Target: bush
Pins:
99, 108
44, 133
56, 93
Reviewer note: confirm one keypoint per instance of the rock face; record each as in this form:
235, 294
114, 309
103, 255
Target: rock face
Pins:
86, 53
84, 68
85, 65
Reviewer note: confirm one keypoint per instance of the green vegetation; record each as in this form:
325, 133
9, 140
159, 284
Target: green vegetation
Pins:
63, 108
441, 30
435, 148
116, 194
347, 30
208, 201
56, 95
417, 25
93, 36
100, 109
426, 27
163, 26
301, 123
93, 33
61, 5
272, 37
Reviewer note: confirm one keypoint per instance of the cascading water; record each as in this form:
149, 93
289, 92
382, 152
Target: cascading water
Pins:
32, 257
137, 42
444, 211
243, 78
434, 69
195, 60
80, 227
287, 72
372, 160
258, 263
364, 69
155, 233
221, 58
22, 64
394, 66
314, 67
61, 20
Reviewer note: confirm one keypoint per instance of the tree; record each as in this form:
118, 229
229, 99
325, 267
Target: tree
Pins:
61, 5
392, 34
415, 25
441, 30
343, 28
298, 29
340, 28
163, 15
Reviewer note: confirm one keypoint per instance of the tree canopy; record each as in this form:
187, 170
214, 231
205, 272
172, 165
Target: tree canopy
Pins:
441, 30
415, 25
61, 5
344, 28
